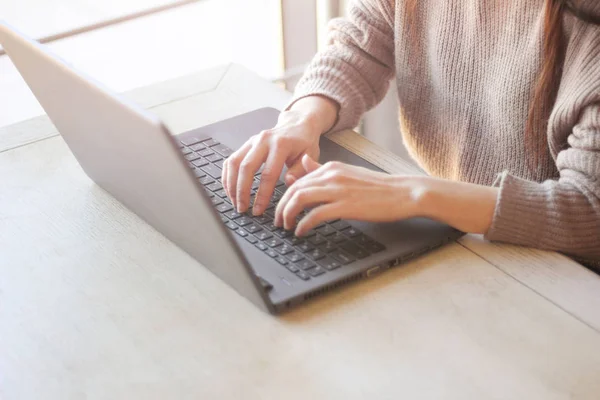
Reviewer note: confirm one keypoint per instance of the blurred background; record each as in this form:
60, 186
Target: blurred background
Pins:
127, 44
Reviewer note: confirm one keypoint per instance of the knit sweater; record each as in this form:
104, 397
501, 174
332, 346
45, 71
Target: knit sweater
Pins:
465, 70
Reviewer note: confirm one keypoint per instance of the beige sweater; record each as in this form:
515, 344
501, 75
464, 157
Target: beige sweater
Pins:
464, 82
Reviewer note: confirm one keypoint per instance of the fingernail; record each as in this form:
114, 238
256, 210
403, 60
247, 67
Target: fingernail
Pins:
240, 208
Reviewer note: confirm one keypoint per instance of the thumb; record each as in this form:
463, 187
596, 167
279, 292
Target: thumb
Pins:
309, 164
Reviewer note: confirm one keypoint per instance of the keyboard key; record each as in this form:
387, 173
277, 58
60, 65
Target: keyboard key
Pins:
279, 184
361, 253
315, 254
305, 264
341, 225
214, 158
326, 230
207, 180
294, 240
251, 239
295, 257
276, 197
304, 247
215, 186
201, 162
243, 220
252, 228
241, 232
270, 213
212, 170
327, 246
285, 249
222, 193
310, 233
219, 163
291, 267
224, 207
224, 219
342, 256
362, 239
271, 227
197, 147
262, 219
316, 271
374, 247
303, 275
329, 263
186, 151
223, 150
233, 214
352, 232
317, 240
199, 173
282, 260
216, 200
188, 141
255, 184
282, 233
206, 152
261, 246
263, 235
273, 242
192, 156
210, 142
337, 238
272, 253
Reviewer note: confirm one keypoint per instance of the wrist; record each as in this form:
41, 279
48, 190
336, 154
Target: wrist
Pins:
318, 112
465, 206
423, 196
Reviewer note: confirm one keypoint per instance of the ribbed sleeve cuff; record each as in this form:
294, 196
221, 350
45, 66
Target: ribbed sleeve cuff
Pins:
348, 116
520, 211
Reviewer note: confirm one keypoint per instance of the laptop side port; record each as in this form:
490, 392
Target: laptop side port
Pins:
372, 271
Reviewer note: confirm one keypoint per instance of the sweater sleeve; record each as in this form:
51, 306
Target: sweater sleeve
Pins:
357, 65
561, 215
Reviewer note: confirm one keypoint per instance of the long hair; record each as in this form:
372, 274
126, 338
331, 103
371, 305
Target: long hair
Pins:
546, 88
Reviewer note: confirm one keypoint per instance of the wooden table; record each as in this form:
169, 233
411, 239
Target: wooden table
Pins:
97, 305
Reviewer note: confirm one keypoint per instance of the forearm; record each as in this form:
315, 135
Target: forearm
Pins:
465, 206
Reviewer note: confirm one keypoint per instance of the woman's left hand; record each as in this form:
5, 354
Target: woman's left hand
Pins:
338, 190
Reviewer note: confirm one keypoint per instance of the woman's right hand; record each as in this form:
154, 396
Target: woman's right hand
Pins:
297, 133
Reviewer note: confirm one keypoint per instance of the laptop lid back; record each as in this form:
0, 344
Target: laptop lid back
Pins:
130, 154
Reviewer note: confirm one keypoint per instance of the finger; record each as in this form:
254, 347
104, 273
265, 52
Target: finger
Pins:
314, 179
233, 164
224, 177
268, 179
294, 172
322, 213
309, 164
303, 199
249, 166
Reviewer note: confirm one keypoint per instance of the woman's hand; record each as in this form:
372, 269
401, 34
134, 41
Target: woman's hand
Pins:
296, 134
338, 190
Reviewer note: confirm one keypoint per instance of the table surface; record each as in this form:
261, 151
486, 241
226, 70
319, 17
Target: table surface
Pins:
96, 304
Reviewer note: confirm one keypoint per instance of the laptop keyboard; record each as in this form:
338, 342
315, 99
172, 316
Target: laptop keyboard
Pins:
327, 247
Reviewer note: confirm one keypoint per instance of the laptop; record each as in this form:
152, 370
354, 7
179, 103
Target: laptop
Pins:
173, 183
